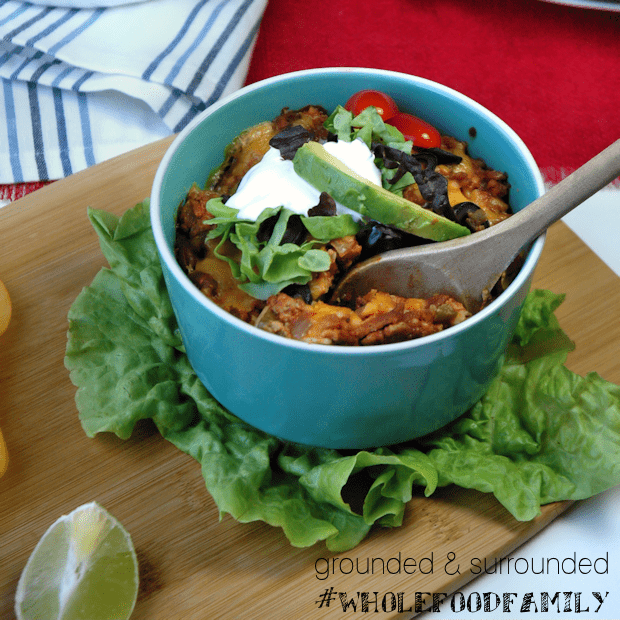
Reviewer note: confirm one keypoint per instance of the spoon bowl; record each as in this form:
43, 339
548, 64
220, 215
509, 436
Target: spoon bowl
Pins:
468, 268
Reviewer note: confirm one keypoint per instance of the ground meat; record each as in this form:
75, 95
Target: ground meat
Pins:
379, 318
192, 227
347, 249
471, 180
192, 215
311, 117
343, 253
322, 281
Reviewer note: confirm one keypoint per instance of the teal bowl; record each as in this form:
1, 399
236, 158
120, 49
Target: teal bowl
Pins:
335, 396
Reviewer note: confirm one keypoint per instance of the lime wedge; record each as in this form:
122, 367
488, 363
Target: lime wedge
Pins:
83, 568
5, 308
4, 455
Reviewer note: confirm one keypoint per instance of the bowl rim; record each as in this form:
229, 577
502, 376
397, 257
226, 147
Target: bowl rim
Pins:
171, 263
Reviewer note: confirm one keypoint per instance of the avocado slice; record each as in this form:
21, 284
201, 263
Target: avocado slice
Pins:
328, 174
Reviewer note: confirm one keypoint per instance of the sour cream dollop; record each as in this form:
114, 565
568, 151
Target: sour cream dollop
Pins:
274, 183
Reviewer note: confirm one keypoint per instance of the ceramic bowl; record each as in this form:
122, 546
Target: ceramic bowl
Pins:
336, 396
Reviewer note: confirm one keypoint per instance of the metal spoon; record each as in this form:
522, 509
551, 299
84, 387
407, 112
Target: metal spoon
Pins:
467, 266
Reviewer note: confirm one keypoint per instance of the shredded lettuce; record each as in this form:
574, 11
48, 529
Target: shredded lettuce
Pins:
370, 127
327, 227
265, 267
367, 126
540, 434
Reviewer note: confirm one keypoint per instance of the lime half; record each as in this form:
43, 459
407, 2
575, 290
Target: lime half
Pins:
5, 308
4, 455
83, 568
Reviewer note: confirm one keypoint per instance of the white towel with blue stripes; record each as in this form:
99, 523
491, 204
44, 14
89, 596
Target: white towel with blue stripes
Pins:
82, 85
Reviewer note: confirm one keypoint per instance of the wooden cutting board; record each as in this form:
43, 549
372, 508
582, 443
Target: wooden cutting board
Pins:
192, 565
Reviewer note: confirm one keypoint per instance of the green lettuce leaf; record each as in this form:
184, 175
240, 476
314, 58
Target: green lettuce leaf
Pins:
327, 227
267, 267
540, 434
368, 126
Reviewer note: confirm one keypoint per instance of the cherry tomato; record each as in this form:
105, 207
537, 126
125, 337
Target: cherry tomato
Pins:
415, 129
386, 106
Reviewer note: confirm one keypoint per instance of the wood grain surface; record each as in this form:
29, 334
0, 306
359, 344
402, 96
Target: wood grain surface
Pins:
192, 564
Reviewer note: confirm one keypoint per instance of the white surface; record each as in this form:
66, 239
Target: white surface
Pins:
587, 222
590, 529
589, 4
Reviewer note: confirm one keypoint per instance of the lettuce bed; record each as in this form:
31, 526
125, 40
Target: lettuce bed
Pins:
541, 433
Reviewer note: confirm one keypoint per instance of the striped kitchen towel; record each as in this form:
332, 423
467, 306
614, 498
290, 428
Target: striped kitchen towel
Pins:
82, 85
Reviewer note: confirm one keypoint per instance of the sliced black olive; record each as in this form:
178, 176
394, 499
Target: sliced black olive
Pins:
265, 230
290, 139
439, 155
442, 157
299, 290
471, 215
376, 238
295, 232
326, 206
433, 186
426, 157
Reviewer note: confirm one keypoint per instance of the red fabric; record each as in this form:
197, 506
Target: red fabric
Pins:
551, 72
19, 190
